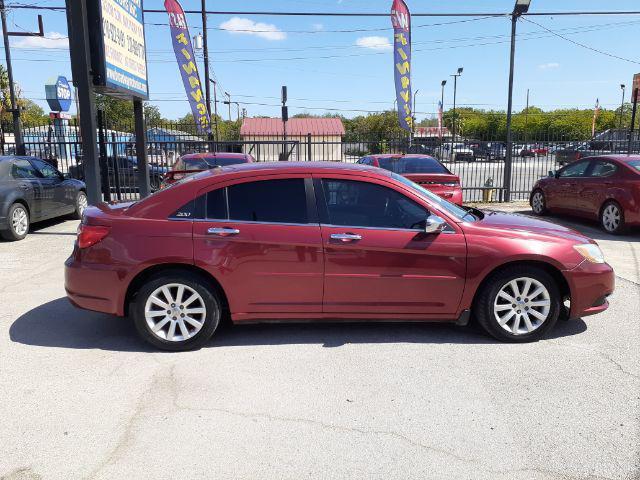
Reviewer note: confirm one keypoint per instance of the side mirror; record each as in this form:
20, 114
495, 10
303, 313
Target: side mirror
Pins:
552, 173
434, 224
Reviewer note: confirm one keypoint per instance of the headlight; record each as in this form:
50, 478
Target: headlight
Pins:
591, 252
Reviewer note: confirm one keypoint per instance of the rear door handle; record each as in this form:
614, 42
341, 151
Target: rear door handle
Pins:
346, 237
223, 232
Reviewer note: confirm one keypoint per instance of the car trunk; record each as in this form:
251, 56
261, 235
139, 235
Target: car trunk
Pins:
442, 184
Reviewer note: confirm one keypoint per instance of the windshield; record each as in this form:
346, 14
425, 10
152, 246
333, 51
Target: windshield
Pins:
635, 164
412, 165
458, 212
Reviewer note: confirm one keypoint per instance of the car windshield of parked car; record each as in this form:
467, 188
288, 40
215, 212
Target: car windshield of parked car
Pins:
458, 212
412, 165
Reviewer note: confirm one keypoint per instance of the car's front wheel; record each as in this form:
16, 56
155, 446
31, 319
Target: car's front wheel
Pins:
176, 311
538, 203
18, 223
518, 304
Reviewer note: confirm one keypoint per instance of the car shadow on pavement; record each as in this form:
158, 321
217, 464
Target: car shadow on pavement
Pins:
60, 325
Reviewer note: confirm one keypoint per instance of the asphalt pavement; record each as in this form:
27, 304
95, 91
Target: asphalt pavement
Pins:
82, 397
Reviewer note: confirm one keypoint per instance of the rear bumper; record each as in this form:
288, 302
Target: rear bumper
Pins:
92, 289
590, 285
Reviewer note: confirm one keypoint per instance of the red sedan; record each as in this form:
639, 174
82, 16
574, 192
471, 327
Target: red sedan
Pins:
197, 162
604, 188
423, 170
307, 241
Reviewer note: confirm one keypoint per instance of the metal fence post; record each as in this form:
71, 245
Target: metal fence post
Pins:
141, 149
309, 148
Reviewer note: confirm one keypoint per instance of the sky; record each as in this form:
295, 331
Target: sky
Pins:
345, 64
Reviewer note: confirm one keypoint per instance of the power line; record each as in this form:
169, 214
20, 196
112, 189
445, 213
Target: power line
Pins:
582, 44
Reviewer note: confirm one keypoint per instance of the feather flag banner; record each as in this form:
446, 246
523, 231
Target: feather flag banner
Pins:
401, 21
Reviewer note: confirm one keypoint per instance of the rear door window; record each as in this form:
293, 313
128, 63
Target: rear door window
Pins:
269, 201
23, 169
601, 168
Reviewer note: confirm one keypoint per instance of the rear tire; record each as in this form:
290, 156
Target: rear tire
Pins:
538, 203
612, 218
176, 311
518, 304
17, 223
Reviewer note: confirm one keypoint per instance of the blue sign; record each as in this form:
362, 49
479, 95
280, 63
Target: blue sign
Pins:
58, 94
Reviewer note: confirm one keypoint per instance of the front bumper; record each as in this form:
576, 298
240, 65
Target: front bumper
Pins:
590, 285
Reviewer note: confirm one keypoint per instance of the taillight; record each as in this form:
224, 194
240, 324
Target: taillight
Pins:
89, 235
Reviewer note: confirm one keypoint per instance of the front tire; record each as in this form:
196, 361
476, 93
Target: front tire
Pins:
612, 218
518, 304
18, 223
538, 203
176, 311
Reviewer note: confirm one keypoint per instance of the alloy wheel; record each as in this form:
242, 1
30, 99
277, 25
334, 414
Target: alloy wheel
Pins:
82, 203
175, 312
611, 217
522, 305
537, 202
20, 221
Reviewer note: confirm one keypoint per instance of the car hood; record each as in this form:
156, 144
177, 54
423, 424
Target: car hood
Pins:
518, 224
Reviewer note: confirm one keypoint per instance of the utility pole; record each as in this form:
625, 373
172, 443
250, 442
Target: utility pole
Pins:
15, 108
205, 55
622, 87
228, 102
285, 118
455, 88
441, 113
215, 110
526, 118
413, 123
521, 6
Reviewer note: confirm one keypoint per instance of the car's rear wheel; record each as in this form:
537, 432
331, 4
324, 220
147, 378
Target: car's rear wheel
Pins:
81, 204
18, 223
612, 218
518, 304
176, 311
538, 203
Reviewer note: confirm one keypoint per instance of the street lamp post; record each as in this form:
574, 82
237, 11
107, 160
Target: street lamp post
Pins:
521, 6
413, 123
455, 88
441, 113
622, 87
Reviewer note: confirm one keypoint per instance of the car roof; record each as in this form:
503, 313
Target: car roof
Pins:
619, 157
400, 155
292, 167
214, 155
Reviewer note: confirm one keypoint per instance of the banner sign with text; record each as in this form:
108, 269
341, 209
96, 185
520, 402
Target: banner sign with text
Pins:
118, 50
401, 21
187, 64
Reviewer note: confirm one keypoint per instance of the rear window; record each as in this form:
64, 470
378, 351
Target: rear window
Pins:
412, 165
223, 161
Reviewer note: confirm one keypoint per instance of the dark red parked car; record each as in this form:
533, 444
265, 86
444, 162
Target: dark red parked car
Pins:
197, 162
604, 188
423, 170
325, 241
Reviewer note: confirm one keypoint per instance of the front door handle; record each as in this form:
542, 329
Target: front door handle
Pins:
346, 237
223, 232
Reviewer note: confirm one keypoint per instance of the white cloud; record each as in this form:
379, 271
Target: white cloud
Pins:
50, 40
547, 66
246, 26
374, 43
